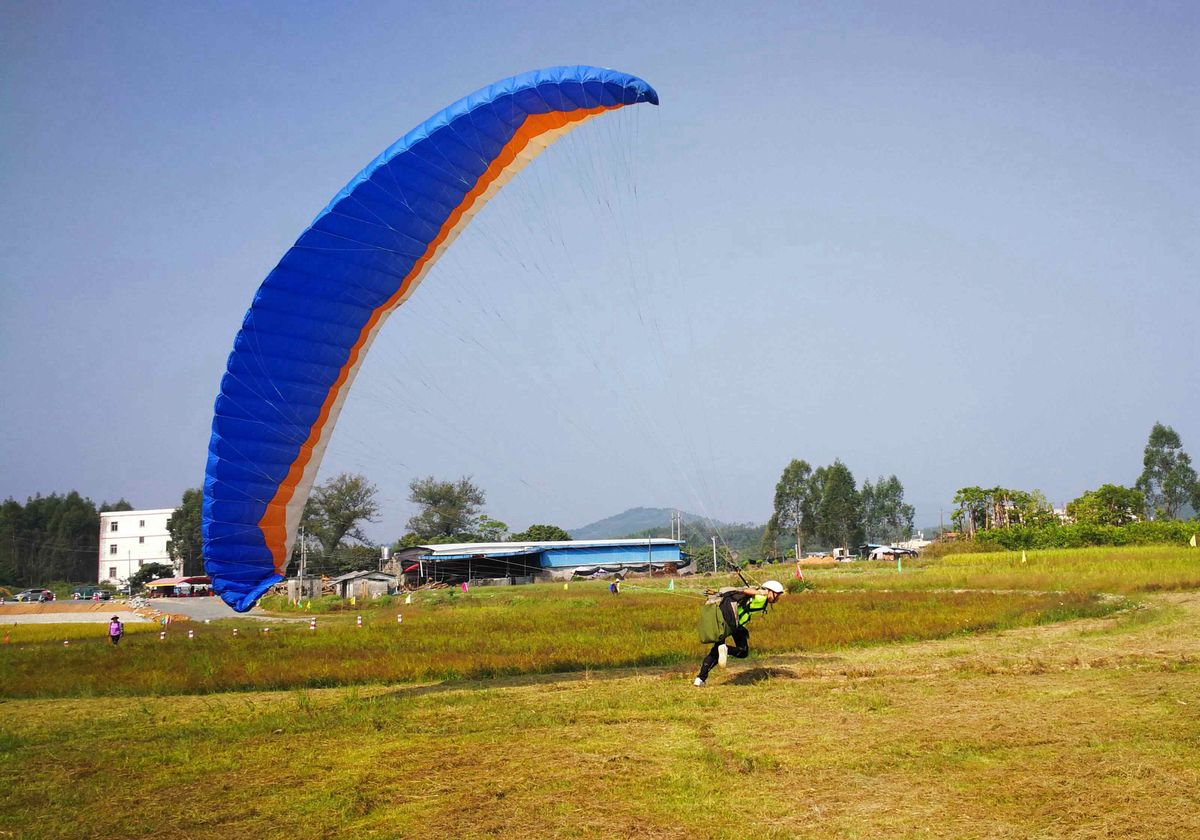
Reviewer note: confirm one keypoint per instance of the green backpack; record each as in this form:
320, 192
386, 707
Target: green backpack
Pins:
712, 626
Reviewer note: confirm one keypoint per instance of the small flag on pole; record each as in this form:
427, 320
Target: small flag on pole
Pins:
671, 585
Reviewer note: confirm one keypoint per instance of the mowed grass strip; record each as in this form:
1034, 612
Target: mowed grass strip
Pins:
537, 631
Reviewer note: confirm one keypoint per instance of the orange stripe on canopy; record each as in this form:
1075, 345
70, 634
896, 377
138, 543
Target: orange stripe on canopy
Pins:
273, 523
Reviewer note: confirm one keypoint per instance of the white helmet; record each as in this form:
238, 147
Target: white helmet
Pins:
774, 586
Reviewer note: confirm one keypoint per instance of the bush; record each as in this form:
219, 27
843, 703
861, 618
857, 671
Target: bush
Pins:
323, 604
945, 548
1079, 535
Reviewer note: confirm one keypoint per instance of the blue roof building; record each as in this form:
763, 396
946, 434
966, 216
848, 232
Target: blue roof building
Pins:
551, 560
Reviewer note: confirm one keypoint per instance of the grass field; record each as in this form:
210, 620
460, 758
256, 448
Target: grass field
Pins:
1079, 719
1127, 569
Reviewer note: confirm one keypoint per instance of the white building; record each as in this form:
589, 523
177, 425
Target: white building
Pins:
129, 539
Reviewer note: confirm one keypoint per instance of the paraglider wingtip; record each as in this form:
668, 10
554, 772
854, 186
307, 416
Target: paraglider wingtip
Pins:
244, 602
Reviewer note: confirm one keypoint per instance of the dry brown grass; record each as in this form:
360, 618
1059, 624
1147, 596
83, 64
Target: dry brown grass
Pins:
1088, 729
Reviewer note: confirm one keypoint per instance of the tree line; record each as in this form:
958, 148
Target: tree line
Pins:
51, 538
826, 506
56, 537
1166, 487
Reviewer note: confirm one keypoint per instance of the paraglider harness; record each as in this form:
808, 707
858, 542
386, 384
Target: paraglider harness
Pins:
714, 625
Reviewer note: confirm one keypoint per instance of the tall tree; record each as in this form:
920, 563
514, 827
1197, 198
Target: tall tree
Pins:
1168, 480
769, 547
10, 550
796, 496
185, 545
972, 512
336, 510
1030, 508
541, 533
1109, 505
448, 510
886, 518
490, 530
839, 511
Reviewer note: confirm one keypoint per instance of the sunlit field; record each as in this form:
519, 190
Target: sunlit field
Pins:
56, 634
489, 633
1126, 569
881, 704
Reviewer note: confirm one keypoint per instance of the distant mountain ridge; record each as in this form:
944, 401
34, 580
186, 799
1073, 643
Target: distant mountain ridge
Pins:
633, 521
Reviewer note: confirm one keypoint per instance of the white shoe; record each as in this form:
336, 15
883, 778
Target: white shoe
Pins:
722, 655
699, 683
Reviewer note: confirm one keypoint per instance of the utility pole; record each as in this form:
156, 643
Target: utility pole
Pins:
303, 562
714, 541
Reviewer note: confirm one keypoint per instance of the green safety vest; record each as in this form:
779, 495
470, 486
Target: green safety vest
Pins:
756, 604
711, 626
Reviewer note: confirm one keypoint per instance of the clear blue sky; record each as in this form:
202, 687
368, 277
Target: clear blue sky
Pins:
953, 242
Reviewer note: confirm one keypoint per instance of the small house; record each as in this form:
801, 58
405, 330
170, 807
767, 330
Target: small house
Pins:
365, 584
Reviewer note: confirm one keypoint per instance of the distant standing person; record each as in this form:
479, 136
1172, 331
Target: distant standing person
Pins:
115, 630
615, 586
733, 610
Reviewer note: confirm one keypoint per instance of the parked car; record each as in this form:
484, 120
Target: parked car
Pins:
35, 595
89, 593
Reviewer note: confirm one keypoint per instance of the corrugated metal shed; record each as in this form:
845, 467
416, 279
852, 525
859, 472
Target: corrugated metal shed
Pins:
554, 558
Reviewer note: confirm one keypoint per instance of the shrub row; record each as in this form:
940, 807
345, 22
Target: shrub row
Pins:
1161, 532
